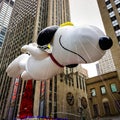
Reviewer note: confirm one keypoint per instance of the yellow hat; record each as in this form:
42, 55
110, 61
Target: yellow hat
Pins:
67, 24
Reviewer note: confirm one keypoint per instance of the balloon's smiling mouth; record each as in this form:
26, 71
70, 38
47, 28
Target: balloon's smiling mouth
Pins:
71, 50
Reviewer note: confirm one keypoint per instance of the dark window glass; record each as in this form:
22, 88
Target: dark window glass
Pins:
0, 44
118, 37
117, 27
66, 79
110, 10
118, 5
69, 81
50, 108
77, 79
117, 104
50, 84
72, 81
3, 33
61, 77
55, 111
106, 108
55, 97
108, 2
95, 109
55, 84
50, 96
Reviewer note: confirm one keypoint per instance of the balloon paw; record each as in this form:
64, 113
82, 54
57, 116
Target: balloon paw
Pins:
24, 48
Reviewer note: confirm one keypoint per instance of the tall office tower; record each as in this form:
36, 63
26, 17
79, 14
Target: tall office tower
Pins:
27, 19
105, 64
6, 7
110, 13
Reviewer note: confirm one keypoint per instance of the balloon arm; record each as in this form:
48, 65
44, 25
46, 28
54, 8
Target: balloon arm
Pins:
33, 50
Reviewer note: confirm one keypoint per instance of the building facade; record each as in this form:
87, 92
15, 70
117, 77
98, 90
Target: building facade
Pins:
6, 7
105, 64
110, 13
103, 95
62, 96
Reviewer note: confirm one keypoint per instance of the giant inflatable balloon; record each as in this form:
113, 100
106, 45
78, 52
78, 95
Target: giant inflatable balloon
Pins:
70, 46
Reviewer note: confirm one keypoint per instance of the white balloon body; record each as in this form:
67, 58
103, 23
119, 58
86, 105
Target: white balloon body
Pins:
74, 45
38, 65
41, 69
71, 45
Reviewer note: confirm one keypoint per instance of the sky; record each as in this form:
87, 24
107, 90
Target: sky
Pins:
86, 12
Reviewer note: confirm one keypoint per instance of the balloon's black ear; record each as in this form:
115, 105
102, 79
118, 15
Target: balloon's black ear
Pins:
45, 36
72, 65
105, 43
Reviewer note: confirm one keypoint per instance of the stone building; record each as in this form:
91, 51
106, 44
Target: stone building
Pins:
110, 13
104, 95
63, 96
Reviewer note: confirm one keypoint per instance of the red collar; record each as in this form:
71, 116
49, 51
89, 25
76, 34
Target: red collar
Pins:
55, 61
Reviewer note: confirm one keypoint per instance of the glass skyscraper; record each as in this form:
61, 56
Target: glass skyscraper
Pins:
6, 7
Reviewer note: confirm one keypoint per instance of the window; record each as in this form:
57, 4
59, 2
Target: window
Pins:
118, 10
107, 2
118, 37
110, 10
118, 5
55, 84
0, 43
80, 81
117, 32
116, 2
50, 96
106, 108
113, 87
95, 109
50, 84
116, 27
50, 108
77, 79
115, 22
103, 90
111, 14
93, 92
117, 104
109, 6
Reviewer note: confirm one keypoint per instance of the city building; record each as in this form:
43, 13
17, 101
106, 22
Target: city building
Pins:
110, 13
6, 7
105, 64
64, 95
104, 95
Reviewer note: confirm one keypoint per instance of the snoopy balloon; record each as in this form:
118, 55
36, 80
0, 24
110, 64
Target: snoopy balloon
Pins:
71, 45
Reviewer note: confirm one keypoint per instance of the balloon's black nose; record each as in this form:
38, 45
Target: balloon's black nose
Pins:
105, 43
